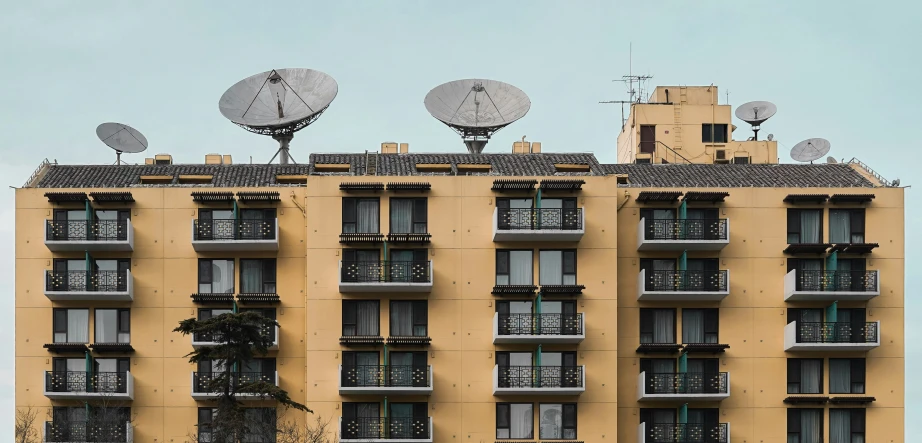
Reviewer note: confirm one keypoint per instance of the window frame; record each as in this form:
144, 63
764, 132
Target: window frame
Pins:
563, 264
54, 324
354, 203
122, 323
799, 225
210, 275
795, 423
354, 304
710, 132
710, 321
794, 367
508, 420
416, 319
269, 267
858, 365
565, 410
508, 259
652, 318
854, 215
416, 214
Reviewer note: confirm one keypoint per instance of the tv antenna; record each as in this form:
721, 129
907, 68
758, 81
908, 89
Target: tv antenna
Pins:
810, 149
476, 108
121, 138
756, 113
629, 80
279, 103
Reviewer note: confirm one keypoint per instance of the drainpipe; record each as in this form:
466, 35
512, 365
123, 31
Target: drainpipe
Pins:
683, 266
386, 427
832, 312
89, 371
236, 221
682, 226
683, 413
683, 363
538, 208
832, 264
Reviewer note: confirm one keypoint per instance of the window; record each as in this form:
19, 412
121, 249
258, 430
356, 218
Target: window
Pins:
360, 318
215, 276
846, 375
113, 326
71, 325
408, 369
106, 275
558, 213
660, 423
805, 425
268, 313
515, 420
257, 276
514, 203
846, 426
714, 133
262, 369
514, 268
409, 215
700, 325
805, 226
805, 376
261, 424
657, 366
361, 421
657, 325
409, 318
846, 226
557, 421
257, 214
557, 267
360, 215
408, 265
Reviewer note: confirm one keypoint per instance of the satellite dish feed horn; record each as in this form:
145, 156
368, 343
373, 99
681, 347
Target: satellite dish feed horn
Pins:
476, 108
279, 103
810, 149
756, 113
121, 138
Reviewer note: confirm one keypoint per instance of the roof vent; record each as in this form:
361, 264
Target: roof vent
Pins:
163, 159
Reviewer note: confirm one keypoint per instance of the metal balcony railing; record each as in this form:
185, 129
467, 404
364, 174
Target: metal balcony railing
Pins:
540, 324
539, 219
381, 376
234, 229
90, 382
87, 431
390, 428
201, 380
386, 271
86, 281
699, 281
86, 230
200, 337
686, 229
686, 433
836, 332
686, 383
844, 281
540, 377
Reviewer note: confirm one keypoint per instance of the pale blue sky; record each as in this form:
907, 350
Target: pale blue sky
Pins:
836, 69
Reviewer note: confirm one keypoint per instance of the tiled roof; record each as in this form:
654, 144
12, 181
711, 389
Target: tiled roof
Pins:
736, 176
672, 175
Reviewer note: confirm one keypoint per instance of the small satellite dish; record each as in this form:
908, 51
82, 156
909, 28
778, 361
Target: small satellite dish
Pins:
831, 160
755, 113
279, 103
771, 137
810, 149
477, 108
121, 138
895, 183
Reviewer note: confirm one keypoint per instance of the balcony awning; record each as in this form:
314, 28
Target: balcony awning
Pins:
258, 197
409, 341
806, 198
223, 299
506, 185
112, 348
258, 298
213, 197
360, 238
66, 197
851, 198
514, 290
361, 186
658, 348
66, 348
710, 197
806, 399
704, 348
409, 186
562, 289
562, 185
854, 248
807, 248
852, 400
409, 238
658, 196
112, 197
361, 340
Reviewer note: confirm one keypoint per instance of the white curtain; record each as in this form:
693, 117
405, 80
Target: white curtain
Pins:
401, 216
106, 326
839, 226
551, 421
692, 326
367, 318
663, 331
551, 267
251, 276
367, 216
78, 326
811, 430
402, 319
521, 421
520, 268
810, 373
840, 376
810, 226
222, 277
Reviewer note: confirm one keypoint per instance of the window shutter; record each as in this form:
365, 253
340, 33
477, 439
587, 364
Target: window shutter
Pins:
647, 215
269, 270
568, 359
349, 316
502, 203
569, 416
646, 416
856, 221
711, 418
647, 265
420, 255
123, 365
568, 203
793, 264
711, 264
646, 365
857, 420
348, 255
59, 364
793, 372
204, 271
502, 262
420, 210
420, 410
419, 359
858, 367
794, 421
60, 321
349, 411
204, 366
859, 264
711, 366
204, 416
124, 320
205, 215
349, 211
420, 313
711, 321
793, 315
569, 262
794, 222
502, 416
502, 359
502, 307
646, 321
268, 367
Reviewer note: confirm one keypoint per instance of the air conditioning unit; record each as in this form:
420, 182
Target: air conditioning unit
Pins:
720, 156
741, 158
643, 158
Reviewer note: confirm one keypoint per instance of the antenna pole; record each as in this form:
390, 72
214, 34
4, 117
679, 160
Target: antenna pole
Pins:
284, 140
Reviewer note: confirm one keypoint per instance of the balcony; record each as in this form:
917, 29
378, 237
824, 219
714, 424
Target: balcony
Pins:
385, 276
683, 234
73, 385
818, 285
829, 336
683, 285
205, 340
89, 235
385, 430
89, 285
201, 381
539, 380
538, 328
683, 433
385, 380
683, 386
533, 224
61, 431
235, 235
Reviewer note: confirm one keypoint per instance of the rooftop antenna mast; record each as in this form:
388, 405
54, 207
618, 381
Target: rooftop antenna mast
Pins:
629, 80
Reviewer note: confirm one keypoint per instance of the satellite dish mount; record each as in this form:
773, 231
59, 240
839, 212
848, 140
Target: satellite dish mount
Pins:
755, 113
121, 138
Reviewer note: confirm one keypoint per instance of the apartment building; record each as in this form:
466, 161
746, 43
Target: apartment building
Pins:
524, 296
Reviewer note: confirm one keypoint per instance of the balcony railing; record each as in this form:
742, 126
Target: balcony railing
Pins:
538, 224
389, 376
202, 339
803, 285
684, 433
90, 235
87, 281
201, 382
540, 324
59, 431
390, 428
86, 385
384, 276
683, 285
683, 234
686, 383
831, 336
235, 234
540, 379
